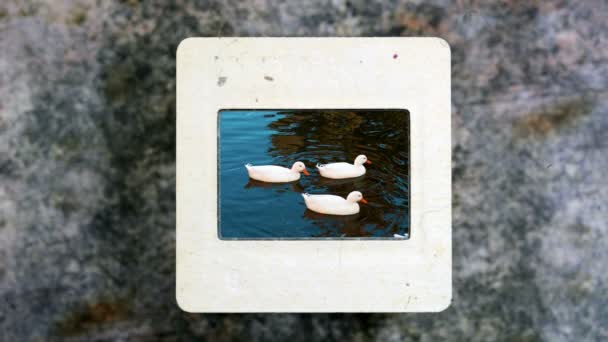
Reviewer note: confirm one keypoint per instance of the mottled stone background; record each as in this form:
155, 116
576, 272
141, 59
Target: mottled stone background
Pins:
87, 167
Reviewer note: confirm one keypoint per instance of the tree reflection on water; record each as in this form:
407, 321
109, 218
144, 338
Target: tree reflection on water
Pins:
333, 136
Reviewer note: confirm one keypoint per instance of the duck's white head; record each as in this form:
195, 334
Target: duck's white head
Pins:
300, 167
362, 159
356, 196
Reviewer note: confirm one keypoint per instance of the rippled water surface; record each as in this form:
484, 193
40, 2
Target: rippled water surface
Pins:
252, 209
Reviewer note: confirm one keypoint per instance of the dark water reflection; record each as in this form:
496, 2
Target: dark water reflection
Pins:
253, 209
293, 186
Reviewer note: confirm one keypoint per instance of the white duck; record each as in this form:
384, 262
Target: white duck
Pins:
334, 205
344, 170
276, 174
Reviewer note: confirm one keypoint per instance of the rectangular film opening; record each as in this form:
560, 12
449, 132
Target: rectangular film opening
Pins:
314, 174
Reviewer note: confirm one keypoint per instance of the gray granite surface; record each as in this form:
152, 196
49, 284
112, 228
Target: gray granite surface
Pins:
87, 167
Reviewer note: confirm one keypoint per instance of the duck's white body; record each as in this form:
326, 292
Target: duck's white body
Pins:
334, 205
274, 173
341, 170
344, 170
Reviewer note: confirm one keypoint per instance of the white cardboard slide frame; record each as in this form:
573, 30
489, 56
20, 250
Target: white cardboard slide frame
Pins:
216, 275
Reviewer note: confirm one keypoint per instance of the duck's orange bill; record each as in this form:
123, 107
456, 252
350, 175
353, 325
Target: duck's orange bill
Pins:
368, 162
306, 172
363, 200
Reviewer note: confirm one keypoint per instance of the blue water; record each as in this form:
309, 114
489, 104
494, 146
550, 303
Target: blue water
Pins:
251, 209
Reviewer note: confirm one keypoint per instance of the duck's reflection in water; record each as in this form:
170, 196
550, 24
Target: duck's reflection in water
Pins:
337, 225
328, 182
278, 187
